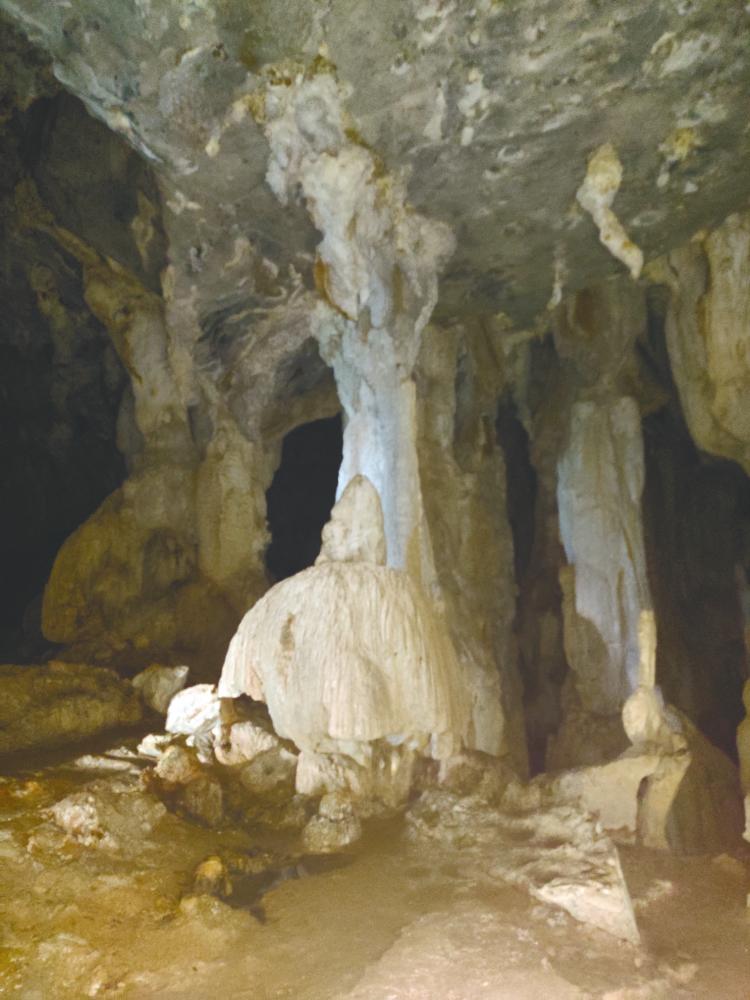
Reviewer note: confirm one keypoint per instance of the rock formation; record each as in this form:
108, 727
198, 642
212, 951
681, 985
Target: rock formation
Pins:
349, 654
505, 250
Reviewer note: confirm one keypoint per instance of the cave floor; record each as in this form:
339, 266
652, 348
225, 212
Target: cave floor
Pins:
391, 921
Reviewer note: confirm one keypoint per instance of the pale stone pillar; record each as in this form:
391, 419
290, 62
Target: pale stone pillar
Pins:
601, 477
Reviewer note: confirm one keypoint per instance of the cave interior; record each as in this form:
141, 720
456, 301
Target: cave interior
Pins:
375, 507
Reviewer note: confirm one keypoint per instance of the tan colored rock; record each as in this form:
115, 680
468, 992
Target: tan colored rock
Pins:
336, 826
269, 771
355, 532
585, 738
381, 779
179, 772
211, 878
113, 815
607, 791
463, 477
58, 703
706, 816
130, 581
596, 195
706, 330
204, 799
177, 766
644, 720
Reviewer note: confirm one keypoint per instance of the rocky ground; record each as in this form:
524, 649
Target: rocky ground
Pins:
107, 891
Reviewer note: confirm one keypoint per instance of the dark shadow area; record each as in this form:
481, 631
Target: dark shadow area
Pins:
696, 512
521, 490
301, 496
520, 485
61, 381
538, 554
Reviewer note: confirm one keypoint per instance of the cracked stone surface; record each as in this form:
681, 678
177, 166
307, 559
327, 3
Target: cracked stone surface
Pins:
490, 113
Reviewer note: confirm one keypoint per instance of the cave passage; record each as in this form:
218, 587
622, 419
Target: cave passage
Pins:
301, 496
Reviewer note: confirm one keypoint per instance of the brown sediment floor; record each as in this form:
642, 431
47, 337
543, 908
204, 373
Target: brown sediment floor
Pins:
391, 921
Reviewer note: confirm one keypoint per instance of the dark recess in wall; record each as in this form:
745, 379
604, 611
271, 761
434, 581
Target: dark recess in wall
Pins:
696, 514
61, 381
301, 496
520, 479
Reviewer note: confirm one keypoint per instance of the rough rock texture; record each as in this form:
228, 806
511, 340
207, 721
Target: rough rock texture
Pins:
707, 337
672, 790
336, 826
157, 685
114, 816
504, 101
743, 741
556, 853
46, 706
460, 374
274, 228
345, 654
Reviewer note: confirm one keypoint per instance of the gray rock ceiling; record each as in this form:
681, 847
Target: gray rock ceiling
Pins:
490, 111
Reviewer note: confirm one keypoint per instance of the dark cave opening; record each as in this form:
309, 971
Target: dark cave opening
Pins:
696, 510
301, 496
520, 485
522, 496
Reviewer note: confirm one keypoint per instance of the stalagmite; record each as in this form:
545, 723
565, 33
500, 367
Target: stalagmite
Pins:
348, 654
376, 270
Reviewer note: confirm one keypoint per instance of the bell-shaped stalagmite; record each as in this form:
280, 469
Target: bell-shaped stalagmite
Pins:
348, 653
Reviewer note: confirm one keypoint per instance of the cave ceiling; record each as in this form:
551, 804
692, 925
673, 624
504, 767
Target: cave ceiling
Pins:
489, 112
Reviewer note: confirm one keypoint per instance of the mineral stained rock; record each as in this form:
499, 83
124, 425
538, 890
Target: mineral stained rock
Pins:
58, 703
